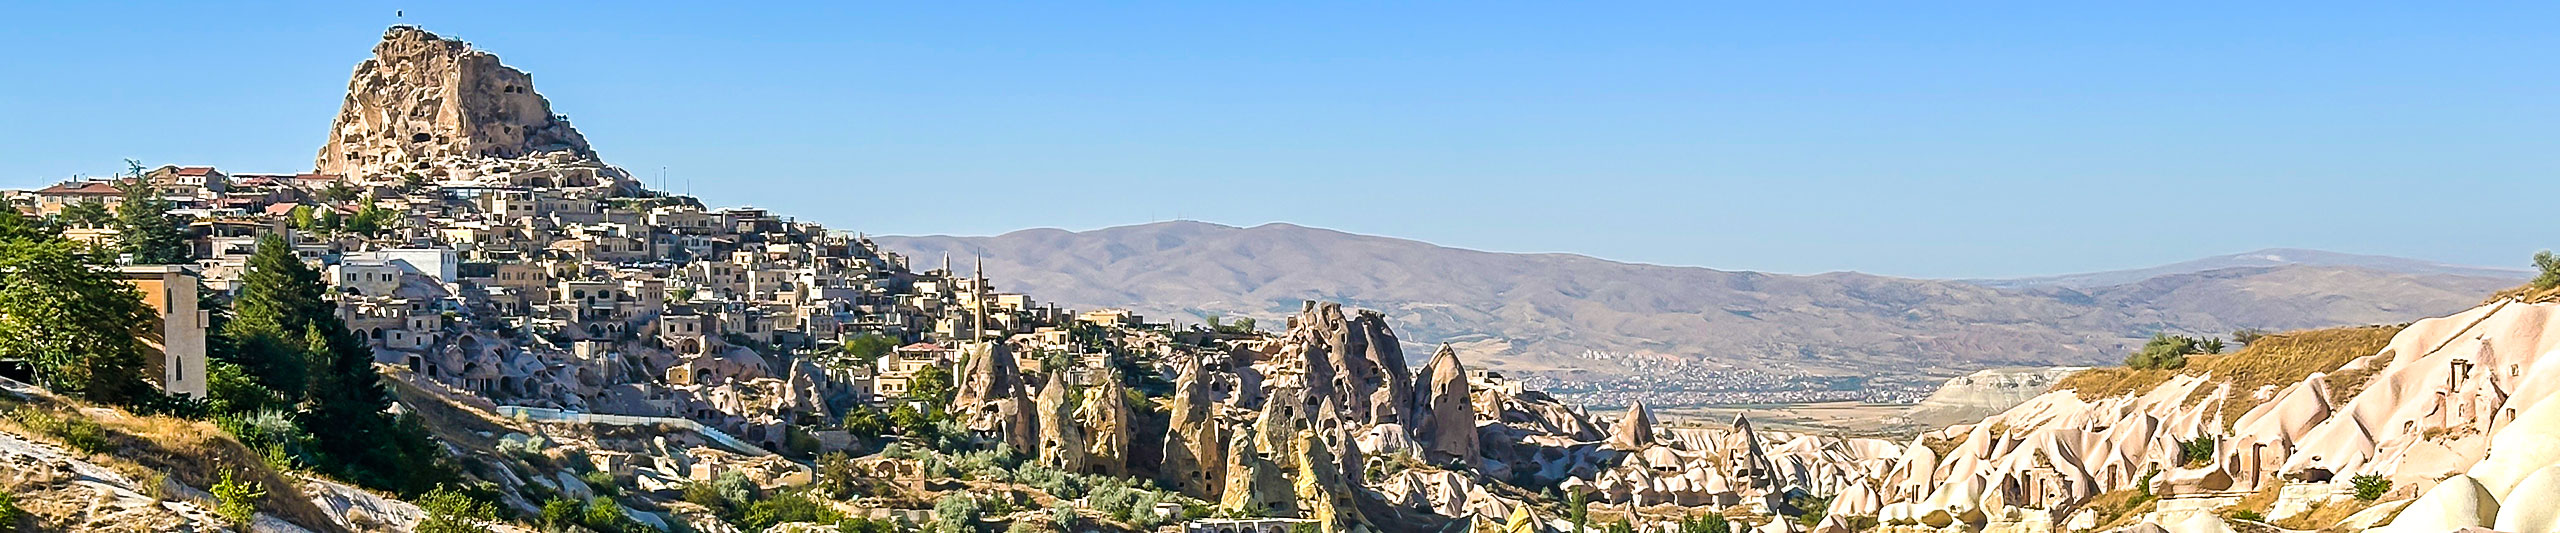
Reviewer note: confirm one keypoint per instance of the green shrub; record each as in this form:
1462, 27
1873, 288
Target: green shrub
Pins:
451, 511
79, 433
2370, 487
1050, 480
2245, 514
866, 525
559, 514
788, 507
2165, 352
1031, 526
702, 494
602, 481
957, 512
10, 515
602, 514
2549, 264
281, 443
2196, 452
237, 499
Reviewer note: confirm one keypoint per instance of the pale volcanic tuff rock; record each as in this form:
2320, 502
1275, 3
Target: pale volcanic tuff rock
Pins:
1354, 359
422, 97
2454, 408
1194, 443
1106, 421
1445, 413
1964, 399
1634, 430
1061, 439
990, 396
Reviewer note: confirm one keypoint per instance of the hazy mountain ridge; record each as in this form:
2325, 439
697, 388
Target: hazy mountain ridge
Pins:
1532, 311
2270, 257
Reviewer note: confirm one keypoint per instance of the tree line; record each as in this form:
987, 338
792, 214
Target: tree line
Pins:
284, 373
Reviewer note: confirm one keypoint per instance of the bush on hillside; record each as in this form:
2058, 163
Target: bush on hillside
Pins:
2248, 336
2196, 452
789, 507
2165, 352
237, 499
451, 511
1713, 522
2370, 487
2549, 264
957, 512
79, 433
10, 516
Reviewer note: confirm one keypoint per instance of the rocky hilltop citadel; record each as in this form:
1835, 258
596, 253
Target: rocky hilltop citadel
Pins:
595, 355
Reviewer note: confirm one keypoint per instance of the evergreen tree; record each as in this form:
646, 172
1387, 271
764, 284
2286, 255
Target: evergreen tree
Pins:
148, 234
89, 213
277, 296
344, 409
290, 334
79, 326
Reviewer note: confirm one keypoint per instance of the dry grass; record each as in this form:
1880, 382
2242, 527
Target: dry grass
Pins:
193, 453
2258, 502
2285, 359
2096, 383
2325, 516
2280, 359
1940, 446
2118, 508
2527, 294
467, 428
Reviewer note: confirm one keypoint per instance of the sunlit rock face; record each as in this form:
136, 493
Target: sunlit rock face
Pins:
423, 99
2452, 413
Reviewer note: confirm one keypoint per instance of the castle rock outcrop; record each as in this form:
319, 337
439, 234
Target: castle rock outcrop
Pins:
424, 101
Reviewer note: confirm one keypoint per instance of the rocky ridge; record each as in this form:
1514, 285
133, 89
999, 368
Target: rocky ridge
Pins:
1971, 397
2451, 412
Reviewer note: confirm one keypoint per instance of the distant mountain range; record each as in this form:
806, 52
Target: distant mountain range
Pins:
2270, 257
1569, 316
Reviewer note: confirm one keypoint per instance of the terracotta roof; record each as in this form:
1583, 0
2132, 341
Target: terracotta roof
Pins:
921, 347
282, 208
81, 188
195, 171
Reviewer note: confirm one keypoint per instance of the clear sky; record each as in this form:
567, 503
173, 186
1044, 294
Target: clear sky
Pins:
1926, 139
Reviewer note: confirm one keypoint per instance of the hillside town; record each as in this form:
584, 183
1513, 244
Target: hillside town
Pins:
462, 319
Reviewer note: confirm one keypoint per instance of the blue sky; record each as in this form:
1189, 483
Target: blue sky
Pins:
1906, 138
